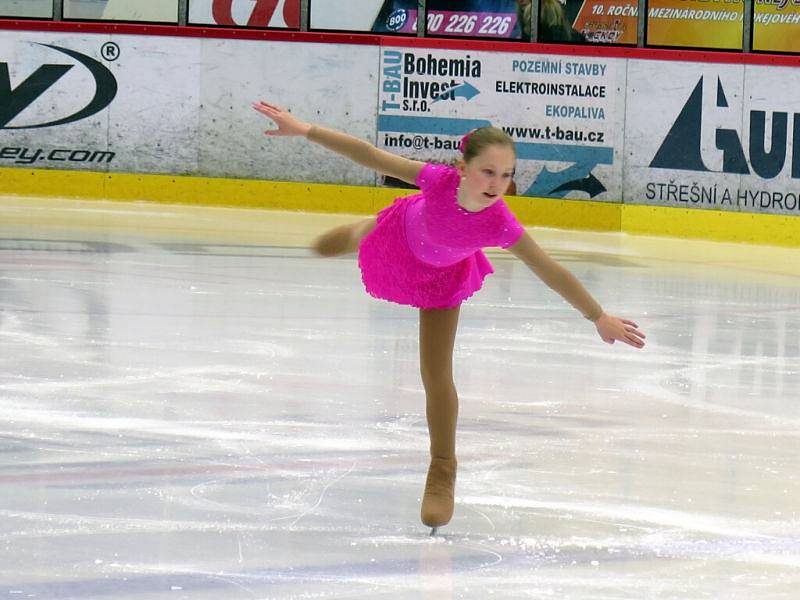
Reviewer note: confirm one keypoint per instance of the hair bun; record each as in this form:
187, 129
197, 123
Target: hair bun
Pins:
464, 141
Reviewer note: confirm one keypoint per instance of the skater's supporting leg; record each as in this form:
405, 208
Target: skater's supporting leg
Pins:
437, 334
436, 340
343, 239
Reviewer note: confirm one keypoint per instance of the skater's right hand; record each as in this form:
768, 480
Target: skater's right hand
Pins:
287, 123
613, 328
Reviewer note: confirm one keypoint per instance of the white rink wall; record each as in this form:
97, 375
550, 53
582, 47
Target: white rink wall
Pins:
668, 133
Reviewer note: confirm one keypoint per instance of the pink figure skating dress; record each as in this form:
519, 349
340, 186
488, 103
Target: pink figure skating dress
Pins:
426, 251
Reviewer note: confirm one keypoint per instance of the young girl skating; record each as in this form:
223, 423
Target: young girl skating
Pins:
425, 251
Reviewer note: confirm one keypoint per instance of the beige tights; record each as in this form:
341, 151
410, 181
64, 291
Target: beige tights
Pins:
343, 239
437, 332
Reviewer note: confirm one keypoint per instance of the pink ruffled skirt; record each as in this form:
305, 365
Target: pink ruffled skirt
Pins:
390, 271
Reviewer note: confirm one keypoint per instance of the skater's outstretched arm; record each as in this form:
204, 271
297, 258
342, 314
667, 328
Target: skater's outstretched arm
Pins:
347, 145
568, 287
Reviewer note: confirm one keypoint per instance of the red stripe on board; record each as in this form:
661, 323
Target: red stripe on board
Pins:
698, 56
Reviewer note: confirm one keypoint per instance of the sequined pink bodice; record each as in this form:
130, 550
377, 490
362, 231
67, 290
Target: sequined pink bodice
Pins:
442, 233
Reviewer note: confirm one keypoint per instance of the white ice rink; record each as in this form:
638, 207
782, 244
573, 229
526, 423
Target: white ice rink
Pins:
193, 406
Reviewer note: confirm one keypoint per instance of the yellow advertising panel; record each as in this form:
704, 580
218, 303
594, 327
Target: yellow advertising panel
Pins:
776, 26
716, 24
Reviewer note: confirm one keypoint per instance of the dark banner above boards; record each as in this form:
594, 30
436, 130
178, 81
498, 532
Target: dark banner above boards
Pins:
38, 9
588, 21
707, 24
149, 11
776, 26
281, 14
376, 16
506, 19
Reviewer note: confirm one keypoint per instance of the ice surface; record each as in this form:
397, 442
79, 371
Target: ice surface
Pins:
193, 406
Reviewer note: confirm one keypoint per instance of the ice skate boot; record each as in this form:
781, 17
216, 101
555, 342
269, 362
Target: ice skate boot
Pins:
438, 499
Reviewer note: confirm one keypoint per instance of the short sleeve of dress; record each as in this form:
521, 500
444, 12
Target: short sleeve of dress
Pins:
429, 175
510, 230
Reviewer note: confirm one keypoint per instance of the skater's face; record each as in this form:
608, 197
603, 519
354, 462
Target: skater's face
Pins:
486, 176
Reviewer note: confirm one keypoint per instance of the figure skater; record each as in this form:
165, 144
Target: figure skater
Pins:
425, 251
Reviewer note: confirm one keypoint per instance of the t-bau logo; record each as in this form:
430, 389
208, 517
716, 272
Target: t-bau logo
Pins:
406, 67
682, 147
16, 100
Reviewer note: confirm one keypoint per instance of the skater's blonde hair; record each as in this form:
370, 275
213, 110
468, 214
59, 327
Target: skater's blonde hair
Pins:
475, 142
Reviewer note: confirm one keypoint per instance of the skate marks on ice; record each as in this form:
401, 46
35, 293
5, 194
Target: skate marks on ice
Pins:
199, 419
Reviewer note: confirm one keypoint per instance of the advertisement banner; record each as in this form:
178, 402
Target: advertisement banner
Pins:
376, 16
507, 19
564, 114
160, 11
602, 23
695, 24
588, 21
720, 137
776, 26
40, 9
284, 14
100, 103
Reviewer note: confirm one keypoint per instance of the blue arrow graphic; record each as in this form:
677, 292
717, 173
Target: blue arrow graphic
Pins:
583, 158
435, 125
465, 90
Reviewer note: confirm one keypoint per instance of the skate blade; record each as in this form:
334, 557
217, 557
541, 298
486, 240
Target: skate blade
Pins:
433, 531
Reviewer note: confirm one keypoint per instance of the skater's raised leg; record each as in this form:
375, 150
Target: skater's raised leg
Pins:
343, 239
437, 329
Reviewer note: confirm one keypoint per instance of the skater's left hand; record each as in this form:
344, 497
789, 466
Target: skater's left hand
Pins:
612, 329
288, 124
